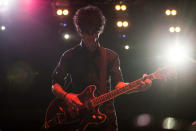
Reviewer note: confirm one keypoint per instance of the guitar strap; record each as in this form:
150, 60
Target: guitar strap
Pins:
103, 71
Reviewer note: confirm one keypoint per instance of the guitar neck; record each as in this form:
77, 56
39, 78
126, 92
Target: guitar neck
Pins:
117, 92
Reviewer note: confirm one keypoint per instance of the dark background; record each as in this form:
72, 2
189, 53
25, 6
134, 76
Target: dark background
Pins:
31, 45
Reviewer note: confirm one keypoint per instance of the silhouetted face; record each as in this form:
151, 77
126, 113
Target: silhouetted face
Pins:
90, 41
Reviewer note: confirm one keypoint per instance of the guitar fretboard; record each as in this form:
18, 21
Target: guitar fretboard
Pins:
117, 92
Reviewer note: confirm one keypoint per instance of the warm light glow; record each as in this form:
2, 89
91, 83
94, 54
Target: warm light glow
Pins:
59, 12
117, 7
177, 54
143, 120
169, 123
127, 47
119, 24
65, 12
123, 7
167, 12
172, 29
125, 23
3, 27
66, 36
174, 12
177, 29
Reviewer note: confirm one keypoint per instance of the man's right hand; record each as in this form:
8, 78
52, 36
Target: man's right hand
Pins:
73, 102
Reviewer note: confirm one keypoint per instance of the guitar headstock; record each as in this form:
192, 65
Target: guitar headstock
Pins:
165, 72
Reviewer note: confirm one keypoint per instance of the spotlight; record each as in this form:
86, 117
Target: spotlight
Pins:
3, 27
169, 123
125, 23
66, 36
167, 12
173, 12
117, 7
65, 12
59, 12
126, 47
177, 54
177, 29
172, 29
123, 7
119, 23
123, 36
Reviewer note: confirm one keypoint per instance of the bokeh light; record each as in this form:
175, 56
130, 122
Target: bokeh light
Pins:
123, 7
126, 47
3, 27
178, 29
117, 7
65, 12
169, 123
167, 12
119, 24
172, 29
59, 12
125, 23
173, 12
66, 36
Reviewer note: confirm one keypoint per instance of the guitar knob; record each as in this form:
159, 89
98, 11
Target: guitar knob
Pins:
94, 116
100, 117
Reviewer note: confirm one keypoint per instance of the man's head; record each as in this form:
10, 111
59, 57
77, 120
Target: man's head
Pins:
89, 20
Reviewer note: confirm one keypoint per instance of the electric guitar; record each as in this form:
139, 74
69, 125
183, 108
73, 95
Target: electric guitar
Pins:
58, 115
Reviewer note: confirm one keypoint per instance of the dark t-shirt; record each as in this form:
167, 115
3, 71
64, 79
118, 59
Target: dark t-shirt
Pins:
84, 69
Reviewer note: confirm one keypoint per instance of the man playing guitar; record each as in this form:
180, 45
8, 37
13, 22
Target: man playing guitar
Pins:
88, 63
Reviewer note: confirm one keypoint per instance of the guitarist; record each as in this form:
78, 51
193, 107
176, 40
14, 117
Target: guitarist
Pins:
89, 64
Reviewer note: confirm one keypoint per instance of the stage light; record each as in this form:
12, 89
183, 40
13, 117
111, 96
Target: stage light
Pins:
173, 12
178, 29
59, 12
177, 54
167, 12
123, 36
125, 23
66, 36
172, 29
3, 27
143, 120
123, 7
126, 47
169, 123
65, 12
117, 7
119, 23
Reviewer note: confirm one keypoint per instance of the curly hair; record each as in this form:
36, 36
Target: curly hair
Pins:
89, 20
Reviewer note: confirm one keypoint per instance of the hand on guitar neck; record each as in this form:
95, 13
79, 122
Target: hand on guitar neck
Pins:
145, 84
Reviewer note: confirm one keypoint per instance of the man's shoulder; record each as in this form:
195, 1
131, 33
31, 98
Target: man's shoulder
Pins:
70, 52
111, 53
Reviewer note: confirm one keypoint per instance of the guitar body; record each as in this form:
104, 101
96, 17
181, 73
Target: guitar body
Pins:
59, 114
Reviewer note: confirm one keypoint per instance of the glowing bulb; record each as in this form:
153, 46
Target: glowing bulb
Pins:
167, 12
59, 12
3, 27
127, 47
119, 24
174, 12
172, 29
125, 23
123, 7
66, 36
65, 12
117, 7
177, 29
